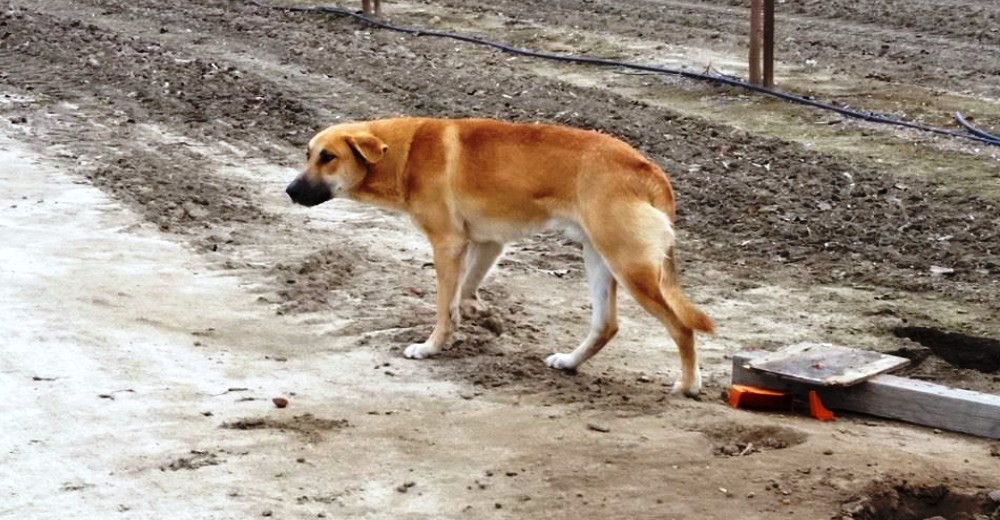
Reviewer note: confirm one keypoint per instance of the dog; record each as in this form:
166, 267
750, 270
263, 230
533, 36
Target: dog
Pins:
473, 185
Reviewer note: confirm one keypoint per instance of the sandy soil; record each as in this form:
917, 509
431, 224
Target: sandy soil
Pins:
159, 290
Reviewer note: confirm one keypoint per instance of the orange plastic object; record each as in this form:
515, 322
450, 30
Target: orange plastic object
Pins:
817, 410
742, 396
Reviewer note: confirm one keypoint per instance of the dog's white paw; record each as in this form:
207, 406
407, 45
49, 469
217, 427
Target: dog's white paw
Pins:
562, 361
691, 390
420, 351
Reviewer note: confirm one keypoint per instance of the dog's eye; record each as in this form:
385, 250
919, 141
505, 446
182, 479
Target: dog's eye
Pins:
325, 157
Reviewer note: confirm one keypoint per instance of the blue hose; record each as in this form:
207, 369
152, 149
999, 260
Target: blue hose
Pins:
725, 80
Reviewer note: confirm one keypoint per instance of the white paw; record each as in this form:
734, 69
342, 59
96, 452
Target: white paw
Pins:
562, 361
420, 351
691, 390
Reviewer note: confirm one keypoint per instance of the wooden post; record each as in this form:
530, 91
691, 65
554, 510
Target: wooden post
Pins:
366, 6
768, 43
756, 38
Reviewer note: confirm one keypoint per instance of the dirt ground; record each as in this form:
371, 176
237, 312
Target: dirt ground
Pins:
158, 288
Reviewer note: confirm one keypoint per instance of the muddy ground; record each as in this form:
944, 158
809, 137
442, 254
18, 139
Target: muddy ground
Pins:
186, 278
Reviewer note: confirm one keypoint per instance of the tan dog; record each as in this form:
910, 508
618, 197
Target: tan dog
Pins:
472, 185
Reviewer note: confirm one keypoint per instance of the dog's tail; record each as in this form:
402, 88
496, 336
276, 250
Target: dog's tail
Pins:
686, 311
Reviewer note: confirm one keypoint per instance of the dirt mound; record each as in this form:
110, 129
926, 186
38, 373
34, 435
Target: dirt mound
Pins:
196, 459
733, 440
308, 283
307, 425
902, 500
177, 196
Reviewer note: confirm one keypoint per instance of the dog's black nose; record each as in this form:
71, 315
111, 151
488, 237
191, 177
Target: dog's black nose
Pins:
308, 194
294, 189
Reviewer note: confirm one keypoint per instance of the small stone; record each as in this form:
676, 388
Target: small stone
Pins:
280, 402
827, 452
598, 428
995, 495
267, 512
494, 324
405, 486
751, 494
937, 270
194, 211
498, 505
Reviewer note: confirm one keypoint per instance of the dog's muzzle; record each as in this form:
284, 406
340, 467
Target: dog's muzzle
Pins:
308, 194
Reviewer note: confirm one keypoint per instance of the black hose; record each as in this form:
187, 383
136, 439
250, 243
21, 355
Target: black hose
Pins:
961, 120
725, 80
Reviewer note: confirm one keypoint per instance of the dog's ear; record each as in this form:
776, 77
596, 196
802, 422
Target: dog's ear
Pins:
369, 147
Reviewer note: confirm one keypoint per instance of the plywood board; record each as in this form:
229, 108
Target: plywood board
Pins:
891, 397
826, 365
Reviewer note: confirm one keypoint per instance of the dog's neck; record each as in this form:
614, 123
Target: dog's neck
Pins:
383, 185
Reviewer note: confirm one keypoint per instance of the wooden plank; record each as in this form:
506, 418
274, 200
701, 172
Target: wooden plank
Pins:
825, 364
769, 43
756, 37
892, 397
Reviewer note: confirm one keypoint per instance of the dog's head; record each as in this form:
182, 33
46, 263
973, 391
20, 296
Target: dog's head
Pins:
337, 160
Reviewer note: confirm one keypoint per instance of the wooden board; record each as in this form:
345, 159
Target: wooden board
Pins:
826, 365
891, 397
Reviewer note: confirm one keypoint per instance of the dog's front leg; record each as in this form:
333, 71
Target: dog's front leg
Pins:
448, 254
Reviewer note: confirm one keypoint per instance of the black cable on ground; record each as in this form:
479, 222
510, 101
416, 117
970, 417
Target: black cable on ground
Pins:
725, 80
961, 120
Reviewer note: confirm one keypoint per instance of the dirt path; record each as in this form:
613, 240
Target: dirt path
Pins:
193, 117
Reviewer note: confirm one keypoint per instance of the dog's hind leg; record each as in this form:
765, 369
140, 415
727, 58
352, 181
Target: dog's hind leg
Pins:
448, 254
604, 315
637, 245
478, 261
